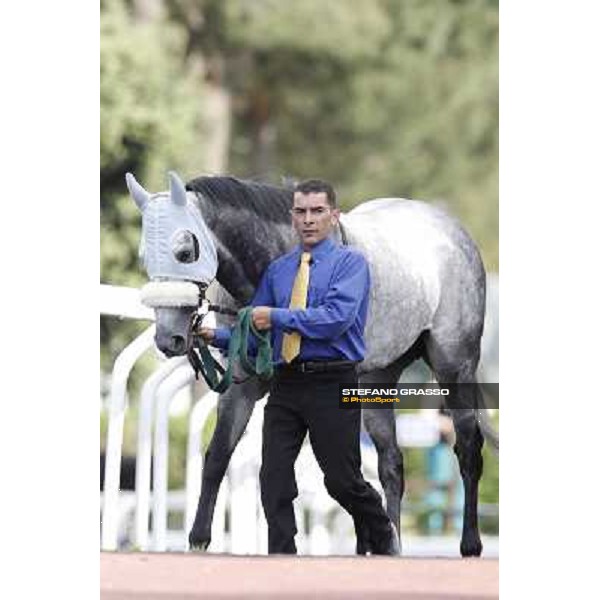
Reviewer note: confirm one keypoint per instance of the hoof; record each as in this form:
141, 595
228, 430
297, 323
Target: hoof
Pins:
199, 547
395, 545
392, 546
470, 546
362, 548
363, 542
198, 543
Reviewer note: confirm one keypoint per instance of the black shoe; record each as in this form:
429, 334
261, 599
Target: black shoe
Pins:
392, 548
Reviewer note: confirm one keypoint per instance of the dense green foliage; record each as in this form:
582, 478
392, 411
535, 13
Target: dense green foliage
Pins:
150, 122
386, 99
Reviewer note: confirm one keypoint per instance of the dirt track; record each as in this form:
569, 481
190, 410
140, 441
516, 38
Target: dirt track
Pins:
185, 576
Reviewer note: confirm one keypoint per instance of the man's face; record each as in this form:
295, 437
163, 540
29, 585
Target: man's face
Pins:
313, 218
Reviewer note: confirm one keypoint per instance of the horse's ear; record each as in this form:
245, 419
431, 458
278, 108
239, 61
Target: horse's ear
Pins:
138, 193
177, 189
289, 182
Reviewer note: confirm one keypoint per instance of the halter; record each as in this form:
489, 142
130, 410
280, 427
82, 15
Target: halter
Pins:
202, 360
171, 294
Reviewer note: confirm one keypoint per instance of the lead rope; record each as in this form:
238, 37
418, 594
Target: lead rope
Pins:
210, 368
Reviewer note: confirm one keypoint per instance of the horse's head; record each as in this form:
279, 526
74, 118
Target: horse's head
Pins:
179, 255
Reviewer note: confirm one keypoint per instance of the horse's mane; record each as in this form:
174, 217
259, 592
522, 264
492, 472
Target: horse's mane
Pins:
266, 201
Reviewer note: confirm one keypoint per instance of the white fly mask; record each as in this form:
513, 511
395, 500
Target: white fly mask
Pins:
177, 249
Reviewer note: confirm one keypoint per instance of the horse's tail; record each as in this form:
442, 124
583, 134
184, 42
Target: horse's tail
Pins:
489, 433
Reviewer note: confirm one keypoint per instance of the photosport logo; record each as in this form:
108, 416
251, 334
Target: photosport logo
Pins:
420, 395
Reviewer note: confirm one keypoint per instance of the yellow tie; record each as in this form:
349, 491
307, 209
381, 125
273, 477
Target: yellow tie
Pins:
291, 341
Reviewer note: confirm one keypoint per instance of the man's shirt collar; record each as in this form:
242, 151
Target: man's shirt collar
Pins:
319, 250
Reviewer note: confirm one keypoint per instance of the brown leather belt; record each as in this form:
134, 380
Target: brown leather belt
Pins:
317, 366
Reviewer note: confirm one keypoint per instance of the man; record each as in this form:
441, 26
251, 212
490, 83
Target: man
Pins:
314, 300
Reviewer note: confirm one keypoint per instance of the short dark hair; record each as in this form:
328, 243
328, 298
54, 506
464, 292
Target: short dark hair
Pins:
316, 186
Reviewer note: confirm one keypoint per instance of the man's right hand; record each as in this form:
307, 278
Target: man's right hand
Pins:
207, 334
261, 317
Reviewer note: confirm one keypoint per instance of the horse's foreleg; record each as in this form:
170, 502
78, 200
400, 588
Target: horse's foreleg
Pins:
233, 413
381, 425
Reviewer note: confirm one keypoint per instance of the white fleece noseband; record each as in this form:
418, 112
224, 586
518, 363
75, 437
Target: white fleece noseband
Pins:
166, 294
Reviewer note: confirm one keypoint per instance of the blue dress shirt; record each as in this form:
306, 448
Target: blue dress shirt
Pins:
332, 325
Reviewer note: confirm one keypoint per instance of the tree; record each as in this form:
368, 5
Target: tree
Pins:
383, 98
151, 121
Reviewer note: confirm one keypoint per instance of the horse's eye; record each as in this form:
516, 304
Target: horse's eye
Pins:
185, 246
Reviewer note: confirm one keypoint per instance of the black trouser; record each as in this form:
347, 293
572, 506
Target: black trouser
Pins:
301, 402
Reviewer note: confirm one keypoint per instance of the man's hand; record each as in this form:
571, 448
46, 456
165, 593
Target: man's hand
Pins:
261, 317
207, 334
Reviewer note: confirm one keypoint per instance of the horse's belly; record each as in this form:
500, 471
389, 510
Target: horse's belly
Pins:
398, 310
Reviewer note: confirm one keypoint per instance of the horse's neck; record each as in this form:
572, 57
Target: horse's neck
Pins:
232, 276
245, 247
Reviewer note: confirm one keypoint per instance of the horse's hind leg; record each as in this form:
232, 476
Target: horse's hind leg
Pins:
380, 423
233, 413
469, 440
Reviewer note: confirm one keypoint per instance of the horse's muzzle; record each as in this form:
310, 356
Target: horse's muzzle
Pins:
171, 345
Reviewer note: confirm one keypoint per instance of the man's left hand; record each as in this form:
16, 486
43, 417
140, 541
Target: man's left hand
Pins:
261, 317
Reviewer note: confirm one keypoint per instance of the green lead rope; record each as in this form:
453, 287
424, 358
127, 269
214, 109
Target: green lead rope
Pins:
238, 352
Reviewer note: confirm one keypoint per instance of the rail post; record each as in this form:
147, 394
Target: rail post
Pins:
117, 405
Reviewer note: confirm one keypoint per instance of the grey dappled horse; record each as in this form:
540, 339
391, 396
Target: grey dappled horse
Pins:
427, 301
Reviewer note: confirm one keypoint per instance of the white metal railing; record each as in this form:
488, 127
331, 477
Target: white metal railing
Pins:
121, 302
330, 531
144, 446
194, 463
114, 441
179, 378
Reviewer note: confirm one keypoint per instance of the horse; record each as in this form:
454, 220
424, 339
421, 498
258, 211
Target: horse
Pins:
427, 300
